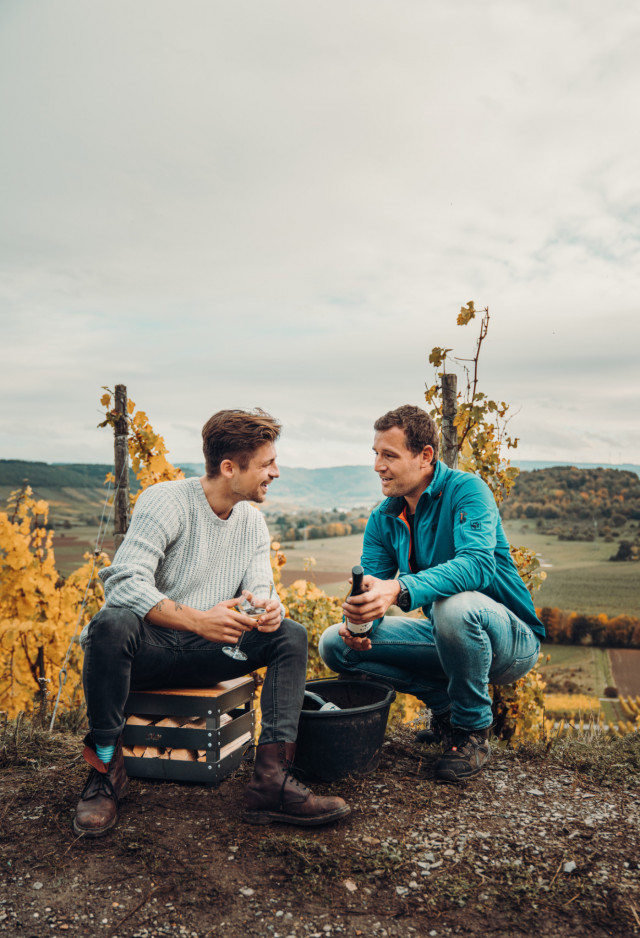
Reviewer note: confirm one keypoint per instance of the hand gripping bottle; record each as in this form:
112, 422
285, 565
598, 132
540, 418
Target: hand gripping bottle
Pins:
357, 576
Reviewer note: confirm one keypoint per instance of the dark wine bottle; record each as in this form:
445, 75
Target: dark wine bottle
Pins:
357, 587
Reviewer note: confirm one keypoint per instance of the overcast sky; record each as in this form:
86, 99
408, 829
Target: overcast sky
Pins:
285, 204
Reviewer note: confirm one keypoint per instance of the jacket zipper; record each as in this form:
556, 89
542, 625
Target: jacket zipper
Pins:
403, 517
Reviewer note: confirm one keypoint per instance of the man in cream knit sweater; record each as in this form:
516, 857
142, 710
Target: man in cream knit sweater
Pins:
193, 549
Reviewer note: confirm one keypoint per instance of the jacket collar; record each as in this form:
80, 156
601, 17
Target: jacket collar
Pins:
395, 505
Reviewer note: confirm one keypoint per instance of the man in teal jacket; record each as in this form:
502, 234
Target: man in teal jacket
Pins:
437, 542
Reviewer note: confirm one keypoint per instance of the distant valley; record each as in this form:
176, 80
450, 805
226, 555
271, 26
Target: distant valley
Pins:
74, 487
575, 519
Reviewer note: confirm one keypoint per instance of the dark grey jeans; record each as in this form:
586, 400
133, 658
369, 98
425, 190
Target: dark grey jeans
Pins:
124, 652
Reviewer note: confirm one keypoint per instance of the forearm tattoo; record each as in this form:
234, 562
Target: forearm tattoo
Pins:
160, 606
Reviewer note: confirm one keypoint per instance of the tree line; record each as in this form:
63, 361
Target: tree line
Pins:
578, 504
572, 628
313, 525
14, 472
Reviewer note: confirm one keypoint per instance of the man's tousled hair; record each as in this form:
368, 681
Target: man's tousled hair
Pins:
236, 434
420, 429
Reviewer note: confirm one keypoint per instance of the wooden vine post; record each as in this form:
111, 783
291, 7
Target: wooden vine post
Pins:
121, 467
449, 411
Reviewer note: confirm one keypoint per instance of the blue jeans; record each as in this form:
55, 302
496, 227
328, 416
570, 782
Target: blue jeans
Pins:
124, 652
447, 661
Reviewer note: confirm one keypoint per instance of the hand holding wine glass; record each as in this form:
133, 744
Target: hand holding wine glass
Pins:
255, 609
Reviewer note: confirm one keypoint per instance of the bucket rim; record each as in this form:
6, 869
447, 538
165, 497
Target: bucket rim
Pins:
336, 714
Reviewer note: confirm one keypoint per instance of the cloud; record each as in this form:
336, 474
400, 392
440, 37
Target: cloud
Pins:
228, 205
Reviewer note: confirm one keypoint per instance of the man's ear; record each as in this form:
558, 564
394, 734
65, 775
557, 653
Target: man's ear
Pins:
427, 455
227, 468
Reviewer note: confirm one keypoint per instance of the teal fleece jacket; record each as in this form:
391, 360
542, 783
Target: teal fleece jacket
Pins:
460, 545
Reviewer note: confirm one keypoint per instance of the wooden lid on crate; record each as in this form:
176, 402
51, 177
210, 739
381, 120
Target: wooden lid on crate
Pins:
216, 691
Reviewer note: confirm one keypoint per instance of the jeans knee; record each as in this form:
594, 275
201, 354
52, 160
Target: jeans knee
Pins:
450, 616
295, 635
113, 628
332, 648
449, 609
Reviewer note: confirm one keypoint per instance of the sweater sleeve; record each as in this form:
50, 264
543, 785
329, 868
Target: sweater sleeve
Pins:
130, 580
473, 567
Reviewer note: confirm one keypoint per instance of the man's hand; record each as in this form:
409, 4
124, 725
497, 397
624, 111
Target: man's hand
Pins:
373, 603
355, 642
224, 622
272, 617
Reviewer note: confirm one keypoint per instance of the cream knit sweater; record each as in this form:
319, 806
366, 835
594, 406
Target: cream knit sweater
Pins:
177, 547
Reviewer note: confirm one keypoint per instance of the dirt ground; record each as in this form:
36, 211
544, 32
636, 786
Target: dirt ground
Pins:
543, 843
625, 669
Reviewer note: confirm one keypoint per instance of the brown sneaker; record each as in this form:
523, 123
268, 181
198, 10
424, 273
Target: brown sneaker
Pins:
274, 794
97, 810
467, 756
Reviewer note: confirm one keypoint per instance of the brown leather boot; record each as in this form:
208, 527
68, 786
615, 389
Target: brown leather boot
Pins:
97, 810
274, 794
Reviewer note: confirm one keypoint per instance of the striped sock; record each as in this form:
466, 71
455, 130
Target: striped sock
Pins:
105, 753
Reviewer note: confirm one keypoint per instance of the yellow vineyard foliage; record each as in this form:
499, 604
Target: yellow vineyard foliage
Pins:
518, 708
579, 714
147, 448
570, 704
624, 728
630, 708
39, 611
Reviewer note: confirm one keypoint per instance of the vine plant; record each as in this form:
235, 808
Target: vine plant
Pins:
481, 424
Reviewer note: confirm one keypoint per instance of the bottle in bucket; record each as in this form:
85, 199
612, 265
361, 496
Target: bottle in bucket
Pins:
314, 701
357, 587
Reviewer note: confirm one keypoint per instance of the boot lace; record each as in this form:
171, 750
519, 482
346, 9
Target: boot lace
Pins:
98, 784
290, 782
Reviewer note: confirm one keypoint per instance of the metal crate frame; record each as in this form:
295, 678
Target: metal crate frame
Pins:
234, 697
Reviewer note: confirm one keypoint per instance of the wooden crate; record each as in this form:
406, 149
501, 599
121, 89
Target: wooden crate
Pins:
223, 731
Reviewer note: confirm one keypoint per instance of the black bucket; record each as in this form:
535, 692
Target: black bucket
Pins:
335, 743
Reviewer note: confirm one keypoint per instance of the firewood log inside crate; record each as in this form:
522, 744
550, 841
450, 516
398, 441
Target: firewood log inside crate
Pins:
190, 735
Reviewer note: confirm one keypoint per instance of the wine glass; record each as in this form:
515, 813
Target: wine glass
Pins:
254, 612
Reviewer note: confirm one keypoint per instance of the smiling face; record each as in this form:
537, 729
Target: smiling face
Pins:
401, 472
251, 484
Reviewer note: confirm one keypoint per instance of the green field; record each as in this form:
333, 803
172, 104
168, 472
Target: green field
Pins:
580, 576
585, 666
332, 555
